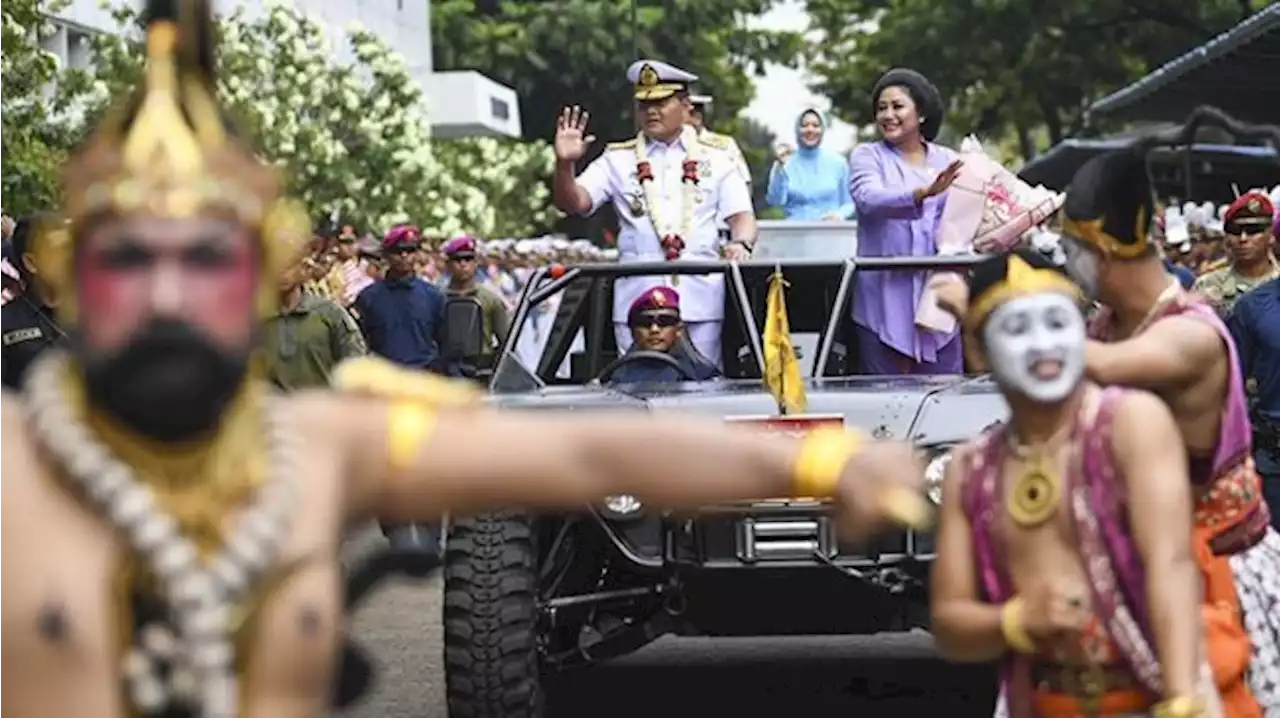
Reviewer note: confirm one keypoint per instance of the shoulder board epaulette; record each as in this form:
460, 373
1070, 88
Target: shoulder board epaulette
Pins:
622, 145
711, 139
373, 376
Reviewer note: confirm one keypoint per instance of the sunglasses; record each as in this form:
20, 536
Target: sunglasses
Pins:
403, 249
664, 321
1247, 228
463, 257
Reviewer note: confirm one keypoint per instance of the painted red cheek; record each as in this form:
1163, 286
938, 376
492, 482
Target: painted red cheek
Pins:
217, 299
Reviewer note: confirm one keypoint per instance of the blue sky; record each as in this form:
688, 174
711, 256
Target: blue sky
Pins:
783, 93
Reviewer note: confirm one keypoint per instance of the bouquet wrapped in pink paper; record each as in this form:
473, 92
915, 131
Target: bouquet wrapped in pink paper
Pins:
989, 209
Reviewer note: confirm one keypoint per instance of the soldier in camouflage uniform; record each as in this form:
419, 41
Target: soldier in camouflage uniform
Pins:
1247, 224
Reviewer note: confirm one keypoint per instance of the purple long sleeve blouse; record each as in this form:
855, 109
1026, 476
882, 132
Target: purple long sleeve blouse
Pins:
891, 224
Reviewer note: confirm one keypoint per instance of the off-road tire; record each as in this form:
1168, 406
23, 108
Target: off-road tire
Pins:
491, 618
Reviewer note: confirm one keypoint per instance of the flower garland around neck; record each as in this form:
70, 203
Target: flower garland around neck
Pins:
672, 238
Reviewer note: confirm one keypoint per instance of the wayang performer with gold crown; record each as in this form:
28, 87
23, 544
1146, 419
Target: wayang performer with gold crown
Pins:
187, 519
1153, 335
1065, 544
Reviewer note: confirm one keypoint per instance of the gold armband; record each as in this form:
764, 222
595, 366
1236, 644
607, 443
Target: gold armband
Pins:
1180, 707
824, 454
409, 424
1011, 627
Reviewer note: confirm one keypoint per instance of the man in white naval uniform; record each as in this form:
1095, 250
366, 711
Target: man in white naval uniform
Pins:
668, 186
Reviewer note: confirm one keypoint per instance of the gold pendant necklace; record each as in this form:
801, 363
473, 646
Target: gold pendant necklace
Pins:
1035, 495
1037, 491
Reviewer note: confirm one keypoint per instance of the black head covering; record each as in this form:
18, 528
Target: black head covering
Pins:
926, 96
1008, 275
1109, 204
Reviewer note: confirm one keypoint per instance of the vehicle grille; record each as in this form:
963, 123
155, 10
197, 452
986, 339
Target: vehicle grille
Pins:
796, 536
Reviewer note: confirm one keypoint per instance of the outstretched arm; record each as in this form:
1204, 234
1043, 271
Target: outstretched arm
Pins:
871, 197
1148, 448
965, 627
409, 464
1173, 352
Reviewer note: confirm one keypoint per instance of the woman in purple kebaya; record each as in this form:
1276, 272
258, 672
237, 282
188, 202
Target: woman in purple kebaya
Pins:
899, 185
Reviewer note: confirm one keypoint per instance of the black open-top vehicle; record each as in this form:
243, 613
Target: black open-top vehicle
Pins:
530, 594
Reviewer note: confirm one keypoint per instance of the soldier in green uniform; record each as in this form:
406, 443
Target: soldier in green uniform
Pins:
1251, 261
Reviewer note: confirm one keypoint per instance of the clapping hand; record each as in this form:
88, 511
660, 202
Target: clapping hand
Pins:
572, 140
1054, 610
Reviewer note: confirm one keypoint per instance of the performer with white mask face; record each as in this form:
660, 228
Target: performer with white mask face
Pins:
1065, 547
1036, 346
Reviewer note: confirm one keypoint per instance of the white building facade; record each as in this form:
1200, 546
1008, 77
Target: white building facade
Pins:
462, 103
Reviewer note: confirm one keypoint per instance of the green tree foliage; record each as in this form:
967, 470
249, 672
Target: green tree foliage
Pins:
570, 52
37, 127
1019, 69
352, 138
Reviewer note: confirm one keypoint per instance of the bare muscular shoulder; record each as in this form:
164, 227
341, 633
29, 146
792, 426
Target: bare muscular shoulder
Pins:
1147, 443
1189, 337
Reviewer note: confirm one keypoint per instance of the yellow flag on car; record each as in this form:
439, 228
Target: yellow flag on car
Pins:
781, 365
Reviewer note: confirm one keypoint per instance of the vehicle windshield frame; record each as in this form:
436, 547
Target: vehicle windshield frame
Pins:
594, 317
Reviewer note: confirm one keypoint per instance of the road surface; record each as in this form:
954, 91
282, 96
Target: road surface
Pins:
893, 676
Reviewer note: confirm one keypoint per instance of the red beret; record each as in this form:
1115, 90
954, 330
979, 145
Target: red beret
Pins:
401, 234
656, 298
1252, 208
459, 245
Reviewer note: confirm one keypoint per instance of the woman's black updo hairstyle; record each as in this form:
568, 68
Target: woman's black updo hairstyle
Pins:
924, 94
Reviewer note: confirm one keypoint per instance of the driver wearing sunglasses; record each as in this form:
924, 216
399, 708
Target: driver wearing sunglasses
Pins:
654, 319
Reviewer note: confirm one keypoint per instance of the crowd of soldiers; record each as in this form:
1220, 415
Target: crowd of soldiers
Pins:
505, 264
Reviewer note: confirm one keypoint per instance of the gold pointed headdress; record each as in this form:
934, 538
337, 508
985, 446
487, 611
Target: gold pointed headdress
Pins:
170, 150
1019, 273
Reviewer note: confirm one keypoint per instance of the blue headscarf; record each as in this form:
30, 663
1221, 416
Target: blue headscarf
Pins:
814, 182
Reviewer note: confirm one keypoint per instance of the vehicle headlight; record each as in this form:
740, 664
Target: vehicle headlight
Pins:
934, 472
622, 506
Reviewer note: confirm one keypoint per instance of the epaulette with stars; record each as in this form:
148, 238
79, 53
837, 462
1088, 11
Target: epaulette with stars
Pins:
711, 139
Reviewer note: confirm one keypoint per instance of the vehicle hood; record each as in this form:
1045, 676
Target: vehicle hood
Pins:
925, 410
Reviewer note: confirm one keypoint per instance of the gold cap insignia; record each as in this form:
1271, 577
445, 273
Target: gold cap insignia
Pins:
659, 299
1254, 205
648, 77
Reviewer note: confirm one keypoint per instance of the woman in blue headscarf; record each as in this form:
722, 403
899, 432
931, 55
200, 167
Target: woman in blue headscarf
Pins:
812, 183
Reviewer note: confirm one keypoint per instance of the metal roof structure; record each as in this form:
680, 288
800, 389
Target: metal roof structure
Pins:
1235, 71
1213, 166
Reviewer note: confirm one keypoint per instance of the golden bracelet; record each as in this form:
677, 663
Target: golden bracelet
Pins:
1180, 707
1011, 627
409, 424
824, 454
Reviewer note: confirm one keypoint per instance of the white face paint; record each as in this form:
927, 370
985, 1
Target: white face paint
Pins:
1036, 346
1081, 264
